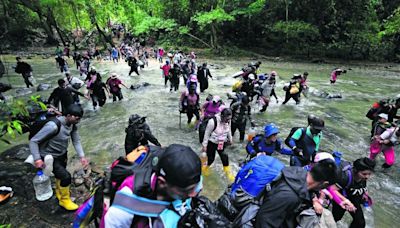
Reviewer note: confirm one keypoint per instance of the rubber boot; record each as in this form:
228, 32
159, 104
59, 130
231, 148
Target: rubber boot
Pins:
58, 192
205, 170
227, 170
65, 200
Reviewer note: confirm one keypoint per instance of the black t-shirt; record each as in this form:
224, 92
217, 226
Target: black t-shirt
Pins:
351, 189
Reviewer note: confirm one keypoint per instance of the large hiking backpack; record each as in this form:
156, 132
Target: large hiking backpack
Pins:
376, 108
254, 178
292, 131
203, 126
139, 163
36, 126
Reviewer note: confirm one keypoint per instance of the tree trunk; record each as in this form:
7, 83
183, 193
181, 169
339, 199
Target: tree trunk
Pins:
101, 32
197, 38
214, 36
51, 21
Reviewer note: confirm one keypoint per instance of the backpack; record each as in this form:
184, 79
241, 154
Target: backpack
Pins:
292, 131
376, 108
203, 126
255, 178
138, 163
38, 124
254, 145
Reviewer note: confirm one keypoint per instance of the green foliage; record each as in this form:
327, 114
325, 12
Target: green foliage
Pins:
217, 15
392, 25
296, 30
353, 28
10, 124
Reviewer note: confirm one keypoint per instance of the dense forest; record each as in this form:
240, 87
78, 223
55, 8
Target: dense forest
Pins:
348, 29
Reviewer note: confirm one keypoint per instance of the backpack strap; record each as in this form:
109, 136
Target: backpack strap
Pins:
58, 123
215, 123
137, 205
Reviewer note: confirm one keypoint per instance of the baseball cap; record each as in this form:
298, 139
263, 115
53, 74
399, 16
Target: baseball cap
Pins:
384, 115
322, 156
180, 166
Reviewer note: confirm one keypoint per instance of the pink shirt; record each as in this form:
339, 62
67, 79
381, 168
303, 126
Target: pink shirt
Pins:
165, 69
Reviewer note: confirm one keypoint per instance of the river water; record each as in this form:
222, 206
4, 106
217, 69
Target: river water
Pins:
347, 129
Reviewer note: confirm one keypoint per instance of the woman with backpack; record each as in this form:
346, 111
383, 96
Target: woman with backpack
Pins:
383, 139
189, 104
217, 136
352, 183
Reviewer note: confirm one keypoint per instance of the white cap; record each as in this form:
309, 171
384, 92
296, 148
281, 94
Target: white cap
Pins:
384, 116
322, 156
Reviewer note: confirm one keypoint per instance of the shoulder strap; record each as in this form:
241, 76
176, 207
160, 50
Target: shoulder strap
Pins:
58, 123
215, 123
137, 205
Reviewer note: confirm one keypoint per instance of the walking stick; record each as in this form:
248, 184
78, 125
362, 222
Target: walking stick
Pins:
180, 119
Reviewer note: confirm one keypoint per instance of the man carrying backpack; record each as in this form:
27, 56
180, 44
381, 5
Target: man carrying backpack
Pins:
241, 111
53, 140
305, 142
25, 69
294, 187
62, 97
175, 177
138, 133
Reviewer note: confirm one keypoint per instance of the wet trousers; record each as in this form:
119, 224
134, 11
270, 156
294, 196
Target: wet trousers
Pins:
211, 148
60, 170
239, 126
358, 215
388, 152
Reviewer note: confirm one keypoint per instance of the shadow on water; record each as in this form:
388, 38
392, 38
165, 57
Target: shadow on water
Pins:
103, 132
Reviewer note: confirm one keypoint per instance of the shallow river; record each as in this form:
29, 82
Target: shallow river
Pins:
347, 128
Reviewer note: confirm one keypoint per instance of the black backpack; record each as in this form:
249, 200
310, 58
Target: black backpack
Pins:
38, 125
203, 126
292, 131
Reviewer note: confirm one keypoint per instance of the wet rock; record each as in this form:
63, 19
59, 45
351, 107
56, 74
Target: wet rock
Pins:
4, 87
326, 95
216, 66
319, 61
23, 91
43, 87
23, 210
137, 86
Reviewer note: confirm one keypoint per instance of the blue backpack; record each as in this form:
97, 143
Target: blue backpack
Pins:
256, 175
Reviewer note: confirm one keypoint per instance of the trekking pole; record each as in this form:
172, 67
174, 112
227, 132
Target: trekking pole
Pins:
180, 119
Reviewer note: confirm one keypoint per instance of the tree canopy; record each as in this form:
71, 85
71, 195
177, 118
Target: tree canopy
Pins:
357, 29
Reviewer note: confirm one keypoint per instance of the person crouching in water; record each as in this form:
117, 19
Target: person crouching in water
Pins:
189, 104
335, 73
216, 138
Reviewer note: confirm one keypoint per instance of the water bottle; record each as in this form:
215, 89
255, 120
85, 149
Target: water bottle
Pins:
251, 134
368, 215
203, 158
42, 186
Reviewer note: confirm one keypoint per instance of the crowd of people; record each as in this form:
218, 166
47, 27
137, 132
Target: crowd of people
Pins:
165, 181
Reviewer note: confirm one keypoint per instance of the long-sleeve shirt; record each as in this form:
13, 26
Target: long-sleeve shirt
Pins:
240, 113
258, 144
58, 144
221, 133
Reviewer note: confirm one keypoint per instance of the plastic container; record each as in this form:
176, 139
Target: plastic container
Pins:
42, 186
251, 134
203, 158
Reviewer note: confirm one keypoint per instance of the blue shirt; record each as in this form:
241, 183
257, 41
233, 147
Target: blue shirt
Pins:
259, 144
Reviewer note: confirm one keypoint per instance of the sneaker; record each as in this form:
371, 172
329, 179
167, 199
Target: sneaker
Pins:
30, 160
48, 165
